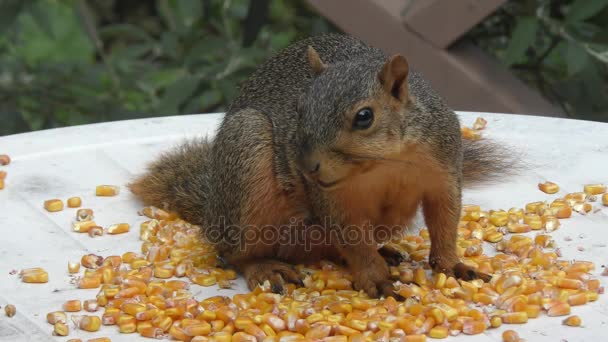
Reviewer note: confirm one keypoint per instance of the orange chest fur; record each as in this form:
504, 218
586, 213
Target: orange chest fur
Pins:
390, 191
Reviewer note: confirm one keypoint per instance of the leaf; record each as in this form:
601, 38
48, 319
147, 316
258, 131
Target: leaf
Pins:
584, 9
577, 58
123, 31
188, 11
41, 18
176, 94
9, 11
523, 37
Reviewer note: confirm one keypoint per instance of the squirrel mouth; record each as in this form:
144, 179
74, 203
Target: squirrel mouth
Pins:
327, 185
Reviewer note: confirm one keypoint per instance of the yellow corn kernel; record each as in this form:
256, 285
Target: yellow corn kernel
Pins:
2, 180
532, 310
499, 218
548, 187
100, 339
559, 309
2, 175
473, 327
439, 331
88, 283
83, 226
73, 267
162, 322
533, 220
95, 231
107, 190
470, 212
510, 336
84, 215
605, 199
199, 329
572, 321
74, 340
72, 305
470, 134
34, 275
594, 189
74, 202
90, 305
414, 338
53, 205
56, 316
5, 159
550, 223
495, 322
89, 323
204, 280
563, 213
480, 123
127, 328
151, 332
61, 329
518, 228
566, 283
118, 228
91, 261
10, 310
514, 317
493, 237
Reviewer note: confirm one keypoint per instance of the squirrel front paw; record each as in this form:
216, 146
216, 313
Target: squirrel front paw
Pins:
375, 282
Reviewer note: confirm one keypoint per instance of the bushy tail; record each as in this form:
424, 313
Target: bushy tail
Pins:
178, 180
486, 161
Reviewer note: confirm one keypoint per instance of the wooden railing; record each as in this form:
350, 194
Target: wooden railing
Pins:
428, 33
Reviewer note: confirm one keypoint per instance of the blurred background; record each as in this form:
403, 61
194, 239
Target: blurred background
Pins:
70, 62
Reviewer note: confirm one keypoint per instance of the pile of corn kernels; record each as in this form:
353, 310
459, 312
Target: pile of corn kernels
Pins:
147, 292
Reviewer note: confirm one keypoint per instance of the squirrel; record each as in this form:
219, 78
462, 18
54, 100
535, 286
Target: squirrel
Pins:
326, 153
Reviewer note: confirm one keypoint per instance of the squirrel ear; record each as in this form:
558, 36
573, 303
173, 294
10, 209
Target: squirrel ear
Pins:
394, 77
314, 60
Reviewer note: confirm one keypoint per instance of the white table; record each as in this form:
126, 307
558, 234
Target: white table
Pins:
66, 162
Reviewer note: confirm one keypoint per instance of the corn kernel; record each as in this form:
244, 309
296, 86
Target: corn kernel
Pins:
572, 321
34, 275
473, 327
84, 215
559, 309
1, 182
414, 338
548, 187
10, 310
89, 323
480, 123
74, 202
4, 159
53, 205
594, 189
510, 336
83, 226
439, 331
152, 332
72, 305
56, 316
91, 261
107, 190
514, 318
100, 339
61, 329
88, 283
119, 228
605, 199
470, 134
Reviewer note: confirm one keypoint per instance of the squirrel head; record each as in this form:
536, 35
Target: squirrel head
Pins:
350, 117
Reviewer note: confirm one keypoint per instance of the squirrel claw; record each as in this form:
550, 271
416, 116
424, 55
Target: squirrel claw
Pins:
276, 272
392, 254
464, 272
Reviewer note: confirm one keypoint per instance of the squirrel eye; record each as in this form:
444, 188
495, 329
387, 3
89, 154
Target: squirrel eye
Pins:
364, 118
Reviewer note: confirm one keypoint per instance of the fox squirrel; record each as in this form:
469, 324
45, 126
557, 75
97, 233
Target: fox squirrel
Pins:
326, 153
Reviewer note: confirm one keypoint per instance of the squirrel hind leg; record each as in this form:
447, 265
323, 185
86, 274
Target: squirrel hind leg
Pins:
257, 272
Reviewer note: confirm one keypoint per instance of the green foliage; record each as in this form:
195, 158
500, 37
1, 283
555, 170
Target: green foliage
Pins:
67, 62
557, 46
